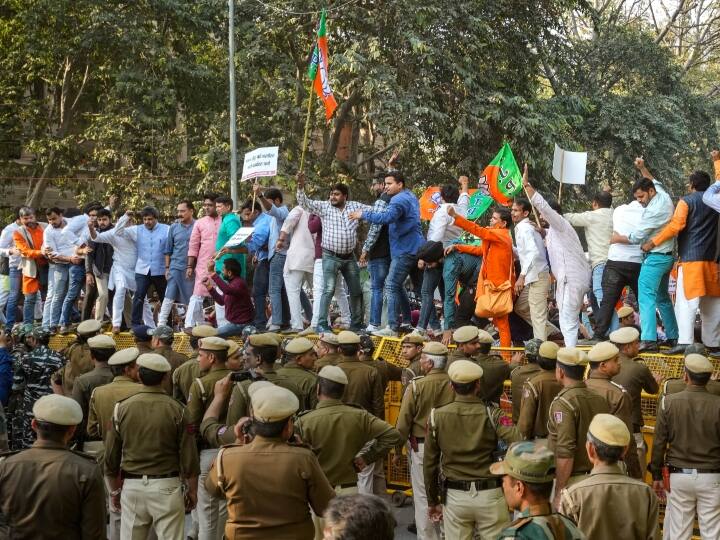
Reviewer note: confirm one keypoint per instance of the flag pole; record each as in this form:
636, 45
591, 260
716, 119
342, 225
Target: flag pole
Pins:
307, 126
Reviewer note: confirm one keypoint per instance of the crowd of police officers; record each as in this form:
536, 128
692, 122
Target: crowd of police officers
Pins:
264, 441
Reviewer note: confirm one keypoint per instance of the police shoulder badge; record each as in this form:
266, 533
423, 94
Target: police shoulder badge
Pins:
558, 416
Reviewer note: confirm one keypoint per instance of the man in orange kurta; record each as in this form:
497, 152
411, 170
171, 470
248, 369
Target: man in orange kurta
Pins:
28, 241
696, 226
497, 259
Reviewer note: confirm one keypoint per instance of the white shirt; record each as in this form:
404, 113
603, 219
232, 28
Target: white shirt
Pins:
7, 242
598, 225
567, 258
530, 251
442, 228
626, 218
124, 248
301, 253
60, 240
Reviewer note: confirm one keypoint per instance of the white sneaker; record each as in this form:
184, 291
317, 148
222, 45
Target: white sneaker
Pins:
385, 332
371, 328
273, 328
307, 332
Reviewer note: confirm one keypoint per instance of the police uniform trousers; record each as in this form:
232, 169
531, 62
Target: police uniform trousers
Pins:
211, 511
148, 503
475, 514
318, 521
426, 529
691, 493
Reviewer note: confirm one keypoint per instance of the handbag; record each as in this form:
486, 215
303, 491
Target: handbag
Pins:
494, 300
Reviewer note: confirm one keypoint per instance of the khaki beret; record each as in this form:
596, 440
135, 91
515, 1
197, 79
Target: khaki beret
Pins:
91, 326
233, 347
257, 385
346, 337
602, 351
465, 334
204, 330
299, 345
414, 338
333, 373
624, 312
549, 349
124, 356
570, 356
59, 410
625, 335
329, 338
154, 361
528, 461
273, 403
464, 371
435, 347
697, 363
214, 343
610, 430
484, 337
262, 340
101, 341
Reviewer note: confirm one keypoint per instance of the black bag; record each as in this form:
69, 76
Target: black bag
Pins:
4, 266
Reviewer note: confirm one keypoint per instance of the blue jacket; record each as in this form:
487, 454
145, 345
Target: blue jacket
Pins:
258, 243
6, 375
402, 216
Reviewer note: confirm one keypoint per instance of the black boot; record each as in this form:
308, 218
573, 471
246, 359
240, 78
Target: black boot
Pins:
677, 349
648, 347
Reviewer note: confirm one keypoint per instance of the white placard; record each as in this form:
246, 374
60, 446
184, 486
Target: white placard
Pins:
569, 167
239, 237
260, 162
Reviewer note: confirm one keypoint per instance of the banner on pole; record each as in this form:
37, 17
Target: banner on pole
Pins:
260, 162
569, 167
242, 234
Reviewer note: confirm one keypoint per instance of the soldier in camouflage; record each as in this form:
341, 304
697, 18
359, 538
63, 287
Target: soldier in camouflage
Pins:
35, 372
19, 335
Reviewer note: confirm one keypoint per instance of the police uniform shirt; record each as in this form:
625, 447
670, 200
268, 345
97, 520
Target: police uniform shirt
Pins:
305, 380
328, 360
79, 361
102, 403
518, 376
538, 394
673, 386
175, 359
364, 386
202, 392
183, 377
635, 377
421, 395
495, 372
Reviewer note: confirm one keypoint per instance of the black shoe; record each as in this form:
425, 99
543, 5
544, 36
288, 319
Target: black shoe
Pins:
668, 343
648, 347
412, 528
677, 349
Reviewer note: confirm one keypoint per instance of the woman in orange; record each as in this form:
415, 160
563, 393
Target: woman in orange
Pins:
497, 257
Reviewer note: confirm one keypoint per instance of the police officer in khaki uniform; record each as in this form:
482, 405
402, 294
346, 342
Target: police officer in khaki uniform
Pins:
605, 364
78, 356
569, 416
234, 361
183, 377
149, 441
212, 359
365, 438
102, 347
425, 392
162, 340
467, 344
597, 502
388, 371
461, 443
528, 471
687, 438
675, 385
327, 351
538, 393
287, 480
410, 351
634, 377
364, 386
522, 373
140, 333
626, 316
49, 491
301, 358
102, 403
495, 370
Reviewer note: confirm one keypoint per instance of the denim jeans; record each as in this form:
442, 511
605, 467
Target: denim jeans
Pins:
597, 274
31, 299
400, 268
431, 281
12, 301
142, 284
58, 277
230, 329
653, 295
261, 281
331, 265
278, 295
77, 280
378, 269
457, 268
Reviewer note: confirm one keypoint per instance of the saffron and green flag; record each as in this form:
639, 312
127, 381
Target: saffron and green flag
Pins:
318, 70
503, 176
478, 205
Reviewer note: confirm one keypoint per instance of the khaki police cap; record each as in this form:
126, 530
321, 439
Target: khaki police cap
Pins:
610, 430
277, 337
154, 361
204, 330
465, 334
527, 461
464, 371
625, 335
624, 312
124, 356
214, 343
91, 326
101, 341
262, 340
329, 338
603, 351
346, 337
570, 356
59, 410
334, 374
697, 363
233, 347
483, 336
299, 345
273, 403
414, 338
549, 349
257, 385
435, 347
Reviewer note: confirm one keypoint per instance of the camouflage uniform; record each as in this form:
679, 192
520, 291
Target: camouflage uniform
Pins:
14, 407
